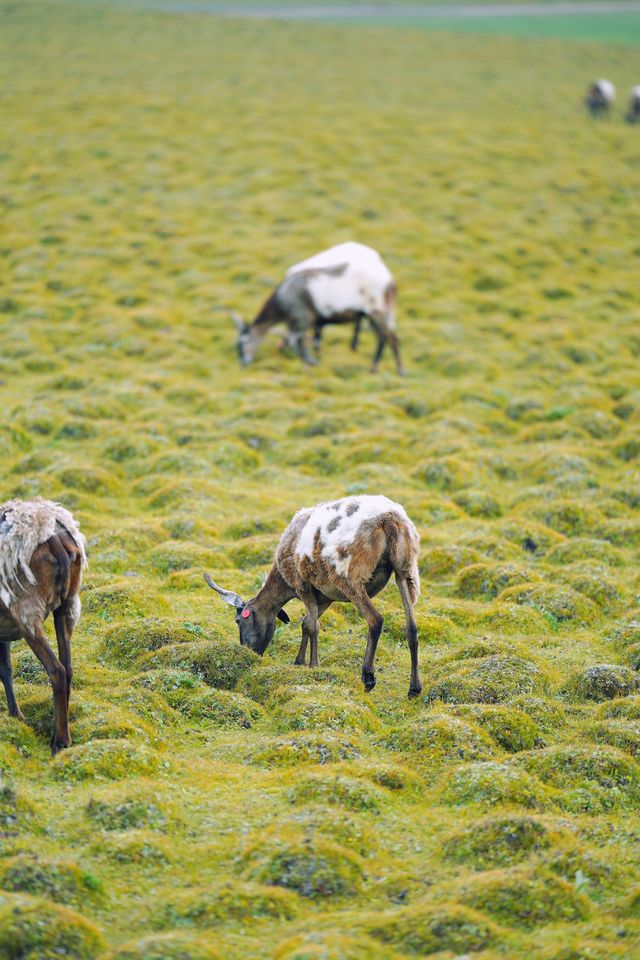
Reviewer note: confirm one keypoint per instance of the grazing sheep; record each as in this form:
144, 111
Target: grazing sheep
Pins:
633, 112
341, 285
342, 551
42, 556
600, 97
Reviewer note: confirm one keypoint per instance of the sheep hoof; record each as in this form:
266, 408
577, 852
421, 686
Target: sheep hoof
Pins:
57, 745
414, 692
369, 680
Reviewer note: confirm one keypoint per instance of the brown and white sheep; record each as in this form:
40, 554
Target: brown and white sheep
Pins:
344, 284
342, 551
42, 555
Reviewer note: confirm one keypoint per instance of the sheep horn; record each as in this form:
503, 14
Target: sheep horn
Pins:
227, 595
239, 322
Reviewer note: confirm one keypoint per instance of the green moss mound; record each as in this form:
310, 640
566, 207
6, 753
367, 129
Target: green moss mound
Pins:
510, 728
314, 868
531, 537
340, 789
15, 811
443, 561
124, 643
603, 681
218, 664
193, 698
307, 711
561, 604
304, 748
265, 679
593, 779
591, 582
623, 734
425, 928
548, 715
34, 929
485, 581
581, 944
497, 841
59, 880
632, 656
230, 900
99, 722
439, 737
583, 868
584, 548
445, 473
628, 633
126, 813
330, 945
341, 826
522, 898
178, 687
491, 679
17, 740
107, 760
490, 784
632, 906
122, 600
572, 518
224, 708
141, 848
176, 945
393, 776
478, 503
622, 709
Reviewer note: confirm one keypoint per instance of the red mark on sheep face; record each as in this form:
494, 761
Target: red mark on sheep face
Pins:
246, 613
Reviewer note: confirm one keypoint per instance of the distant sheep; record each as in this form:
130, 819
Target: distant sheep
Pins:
344, 284
42, 556
343, 551
600, 98
633, 112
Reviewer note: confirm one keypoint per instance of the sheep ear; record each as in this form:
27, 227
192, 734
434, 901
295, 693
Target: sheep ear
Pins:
241, 326
227, 595
284, 616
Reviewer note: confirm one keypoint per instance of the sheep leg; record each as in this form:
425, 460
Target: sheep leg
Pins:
379, 350
35, 637
395, 346
63, 636
356, 334
361, 600
411, 629
301, 659
303, 350
386, 335
6, 675
317, 338
315, 610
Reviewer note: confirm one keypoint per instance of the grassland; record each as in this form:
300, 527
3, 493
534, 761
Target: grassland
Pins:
158, 172
614, 27
604, 28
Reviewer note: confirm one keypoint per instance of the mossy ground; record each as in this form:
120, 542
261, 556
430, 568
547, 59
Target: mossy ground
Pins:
159, 171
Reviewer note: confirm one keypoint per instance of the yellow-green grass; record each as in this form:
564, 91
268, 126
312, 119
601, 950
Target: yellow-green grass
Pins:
158, 172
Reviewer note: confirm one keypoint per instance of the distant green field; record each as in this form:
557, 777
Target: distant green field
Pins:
612, 28
158, 172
